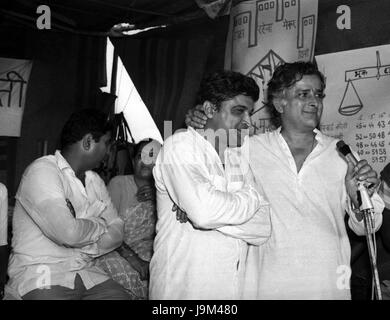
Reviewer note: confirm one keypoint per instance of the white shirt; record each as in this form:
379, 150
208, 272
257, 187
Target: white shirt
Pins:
308, 253
3, 215
204, 259
55, 239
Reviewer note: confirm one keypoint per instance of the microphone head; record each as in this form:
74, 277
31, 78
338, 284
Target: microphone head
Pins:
343, 148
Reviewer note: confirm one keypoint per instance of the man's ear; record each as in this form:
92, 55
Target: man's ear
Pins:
209, 109
87, 141
279, 104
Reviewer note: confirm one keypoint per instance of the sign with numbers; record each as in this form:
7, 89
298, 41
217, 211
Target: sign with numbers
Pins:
357, 103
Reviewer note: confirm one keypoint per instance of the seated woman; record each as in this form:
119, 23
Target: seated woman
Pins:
134, 198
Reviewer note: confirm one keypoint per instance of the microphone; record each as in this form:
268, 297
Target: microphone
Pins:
367, 209
346, 152
363, 196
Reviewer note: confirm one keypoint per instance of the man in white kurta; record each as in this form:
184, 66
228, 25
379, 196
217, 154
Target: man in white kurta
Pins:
308, 253
64, 218
310, 187
42, 224
202, 260
205, 258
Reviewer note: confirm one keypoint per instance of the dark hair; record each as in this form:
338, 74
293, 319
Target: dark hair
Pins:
83, 122
285, 76
139, 146
225, 85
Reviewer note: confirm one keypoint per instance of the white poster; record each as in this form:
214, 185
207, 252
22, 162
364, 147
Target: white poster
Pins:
14, 75
357, 103
265, 33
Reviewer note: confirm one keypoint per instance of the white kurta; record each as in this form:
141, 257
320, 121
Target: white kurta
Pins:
308, 253
204, 259
59, 226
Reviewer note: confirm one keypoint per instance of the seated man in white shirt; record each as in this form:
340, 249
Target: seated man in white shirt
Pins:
3, 237
64, 218
310, 187
205, 258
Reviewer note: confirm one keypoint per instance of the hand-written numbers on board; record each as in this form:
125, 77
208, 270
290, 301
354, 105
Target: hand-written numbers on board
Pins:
369, 136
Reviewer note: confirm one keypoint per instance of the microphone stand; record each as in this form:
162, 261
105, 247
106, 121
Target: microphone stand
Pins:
367, 209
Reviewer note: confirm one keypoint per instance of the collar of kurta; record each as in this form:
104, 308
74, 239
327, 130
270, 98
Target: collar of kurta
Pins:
199, 136
319, 136
64, 165
61, 162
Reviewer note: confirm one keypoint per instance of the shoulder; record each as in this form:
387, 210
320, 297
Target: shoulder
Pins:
183, 148
263, 138
43, 167
178, 139
180, 143
328, 142
41, 178
326, 139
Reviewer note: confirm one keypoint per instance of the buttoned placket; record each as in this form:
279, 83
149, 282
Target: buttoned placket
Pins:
298, 176
224, 171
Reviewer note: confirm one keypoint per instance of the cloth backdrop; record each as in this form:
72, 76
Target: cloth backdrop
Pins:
167, 68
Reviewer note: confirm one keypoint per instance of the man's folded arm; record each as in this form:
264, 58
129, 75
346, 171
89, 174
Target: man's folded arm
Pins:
186, 179
41, 194
113, 237
255, 231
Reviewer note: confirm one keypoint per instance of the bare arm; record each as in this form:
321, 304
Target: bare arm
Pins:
196, 118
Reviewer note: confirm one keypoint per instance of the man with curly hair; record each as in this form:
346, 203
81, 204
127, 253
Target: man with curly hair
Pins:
310, 187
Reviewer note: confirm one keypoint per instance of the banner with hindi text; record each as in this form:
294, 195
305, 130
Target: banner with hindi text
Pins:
14, 76
265, 33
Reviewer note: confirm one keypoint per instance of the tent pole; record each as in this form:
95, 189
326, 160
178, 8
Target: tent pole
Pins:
113, 78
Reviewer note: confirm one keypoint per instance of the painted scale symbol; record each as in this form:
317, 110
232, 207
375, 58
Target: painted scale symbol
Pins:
351, 103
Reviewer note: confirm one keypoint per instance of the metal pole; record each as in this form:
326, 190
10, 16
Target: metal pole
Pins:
370, 236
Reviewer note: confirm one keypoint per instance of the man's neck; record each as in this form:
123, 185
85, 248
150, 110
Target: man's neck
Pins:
75, 162
297, 137
300, 143
219, 146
